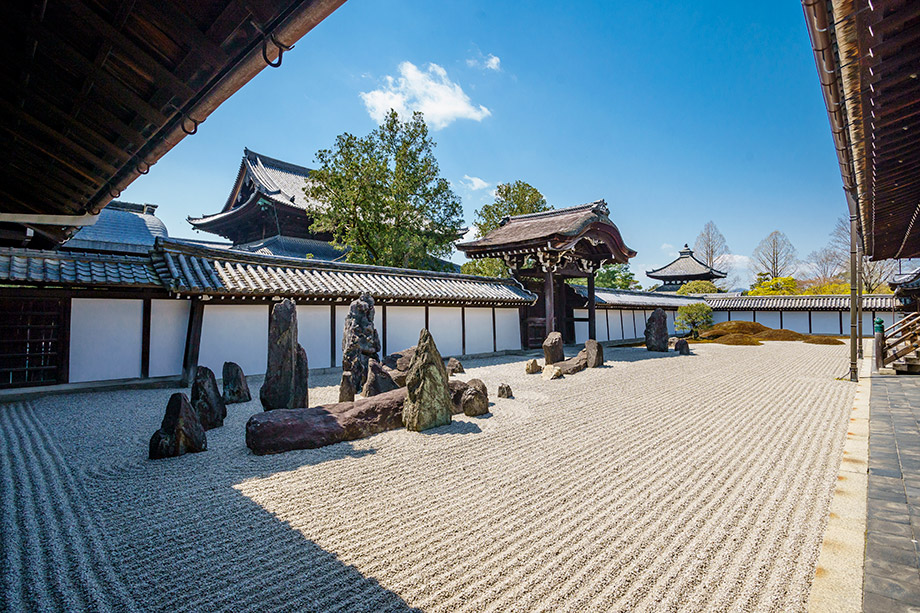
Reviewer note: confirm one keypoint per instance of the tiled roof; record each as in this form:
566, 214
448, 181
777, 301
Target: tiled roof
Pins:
292, 247
836, 302
686, 266
75, 268
120, 228
279, 180
192, 269
908, 280
628, 299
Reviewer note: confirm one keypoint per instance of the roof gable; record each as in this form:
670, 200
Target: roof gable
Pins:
686, 267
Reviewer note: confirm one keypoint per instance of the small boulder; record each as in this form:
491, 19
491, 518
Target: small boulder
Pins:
656, 331
181, 431
347, 389
532, 367
551, 372
478, 384
474, 402
454, 367
594, 352
207, 400
378, 380
504, 391
552, 348
456, 389
682, 347
236, 389
285, 385
573, 365
428, 404
671, 342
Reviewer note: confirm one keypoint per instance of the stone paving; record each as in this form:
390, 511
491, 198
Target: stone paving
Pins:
892, 570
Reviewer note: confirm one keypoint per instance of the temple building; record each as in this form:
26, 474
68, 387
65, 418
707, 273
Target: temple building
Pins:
681, 271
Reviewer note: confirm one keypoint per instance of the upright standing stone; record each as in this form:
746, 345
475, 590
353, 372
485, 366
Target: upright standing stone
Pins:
428, 404
594, 352
206, 399
180, 432
285, 385
360, 343
552, 349
682, 347
378, 380
236, 389
656, 331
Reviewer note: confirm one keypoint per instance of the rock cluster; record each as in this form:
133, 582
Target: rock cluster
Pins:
378, 380
207, 400
236, 389
285, 385
504, 391
552, 348
360, 344
181, 431
656, 331
428, 404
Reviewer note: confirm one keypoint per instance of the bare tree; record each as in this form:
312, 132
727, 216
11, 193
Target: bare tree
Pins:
711, 248
775, 256
825, 265
874, 274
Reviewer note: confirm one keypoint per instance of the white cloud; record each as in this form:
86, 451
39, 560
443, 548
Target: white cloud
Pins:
667, 246
487, 62
474, 183
430, 91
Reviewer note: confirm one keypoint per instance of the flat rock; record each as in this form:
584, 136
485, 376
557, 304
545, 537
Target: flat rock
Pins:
532, 367
552, 348
378, 380
428, 404
504, 391
454, 367
207, 399
285, 385
656, 331
551, 371
288, 429
682, 347
236, 388
594, 352
181, 431
360, 343
573, 365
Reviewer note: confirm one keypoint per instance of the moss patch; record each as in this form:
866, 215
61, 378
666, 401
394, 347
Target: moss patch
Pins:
737, 339
780, 335
822, 340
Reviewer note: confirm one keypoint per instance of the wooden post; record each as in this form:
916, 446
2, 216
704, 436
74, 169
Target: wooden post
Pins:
549, 301
854, 282
383, 324
145, 339
592, 309
859, 301
494, 333
192, 341
463, 329
332, 335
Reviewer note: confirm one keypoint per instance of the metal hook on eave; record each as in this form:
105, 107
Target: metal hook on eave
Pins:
146, 167
194, 130
281, 49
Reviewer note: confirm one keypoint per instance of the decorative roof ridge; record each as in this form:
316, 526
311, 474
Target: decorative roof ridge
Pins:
174, 245
297, 169
590, 206
636, 292
73, 255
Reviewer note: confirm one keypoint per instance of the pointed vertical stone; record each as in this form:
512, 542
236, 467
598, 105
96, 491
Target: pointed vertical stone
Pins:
285, 385
428, 404
207, 400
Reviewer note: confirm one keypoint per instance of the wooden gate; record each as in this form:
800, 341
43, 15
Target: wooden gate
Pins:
33, 341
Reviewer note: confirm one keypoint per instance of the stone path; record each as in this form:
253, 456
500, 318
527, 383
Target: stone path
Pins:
892, 569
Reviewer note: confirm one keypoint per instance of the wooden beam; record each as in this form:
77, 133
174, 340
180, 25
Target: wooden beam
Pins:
192, 341
592, 309
549, 301
145, 339
494, 333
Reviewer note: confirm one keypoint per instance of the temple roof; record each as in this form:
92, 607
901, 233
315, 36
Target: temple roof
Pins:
610, 298
686, 268
122, 227
834, 302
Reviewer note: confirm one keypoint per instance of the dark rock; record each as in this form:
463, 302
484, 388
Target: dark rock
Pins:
682, 346
378, 380
397, 365
656, 331
573, 365
478, 384
532, 367
181, 431
456, 389
206, 399
347, 390
504, 391
428, 404
285, 385
594, 352
474, 402
552, 348
287, 429
236, 388
454, 367
360, 343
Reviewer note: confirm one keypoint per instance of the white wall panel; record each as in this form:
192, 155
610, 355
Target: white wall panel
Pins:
403, 327
638, 324
719, 316
825, 322
797, 321
867, 328
601, 318
581, 327
314, 334
234, 333
615, 320
168, 328
478, 330
507, 329
742, 315
671, 315
105, 339
769, 318
446, 326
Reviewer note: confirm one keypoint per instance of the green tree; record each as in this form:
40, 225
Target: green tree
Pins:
382, 197
616, 276
698, 287
517, 198
693, 318
779, 286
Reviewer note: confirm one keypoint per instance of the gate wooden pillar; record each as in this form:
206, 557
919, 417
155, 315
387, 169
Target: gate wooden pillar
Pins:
550, 302
592, 311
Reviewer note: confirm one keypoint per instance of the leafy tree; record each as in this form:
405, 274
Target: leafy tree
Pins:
517, 198
698, 287
616, 276
381, 196
775, 255
693, 318
875, 275
777, 286
828, 288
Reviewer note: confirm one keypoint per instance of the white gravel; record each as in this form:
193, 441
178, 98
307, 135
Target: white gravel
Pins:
655, 483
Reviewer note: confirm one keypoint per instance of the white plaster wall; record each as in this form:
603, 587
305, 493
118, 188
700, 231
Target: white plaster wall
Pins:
581, 327
234, 333
478, 330
446, 326
868, 324
602, 332
797, 321
638, 324
614, 319
825, 322
887, 317
507, 329
719, 316
742, 315
314, 334
671, 315
769, 318
168, 328
340, 312
105, 339
403, 327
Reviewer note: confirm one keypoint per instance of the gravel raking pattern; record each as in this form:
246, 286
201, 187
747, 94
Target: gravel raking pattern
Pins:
656, 483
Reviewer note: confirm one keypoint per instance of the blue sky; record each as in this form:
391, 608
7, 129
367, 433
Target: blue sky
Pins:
675, 115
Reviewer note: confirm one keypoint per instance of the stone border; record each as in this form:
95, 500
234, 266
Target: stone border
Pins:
838, 582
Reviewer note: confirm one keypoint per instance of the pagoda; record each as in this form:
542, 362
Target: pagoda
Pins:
684, 269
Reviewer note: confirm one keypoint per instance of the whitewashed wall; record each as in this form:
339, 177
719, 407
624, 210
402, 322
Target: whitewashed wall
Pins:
403, 327
314, 334
478, 330
234, 333
615, 325
742, 316
168, 328
581, 327
105, 339
672, 317
602, 333
769, 318
507, 329
446, 327
797, 321
822, 322
340, 312
719, 316
825, 322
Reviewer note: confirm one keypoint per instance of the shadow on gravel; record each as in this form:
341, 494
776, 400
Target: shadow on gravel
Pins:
457, 427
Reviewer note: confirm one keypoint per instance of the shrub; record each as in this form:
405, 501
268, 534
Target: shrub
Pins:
693, 318
737, 339
735, 327
698, 287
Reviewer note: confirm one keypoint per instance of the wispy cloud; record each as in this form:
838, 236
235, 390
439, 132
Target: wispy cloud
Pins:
430, 91
667, 247
474, 183
485, 62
